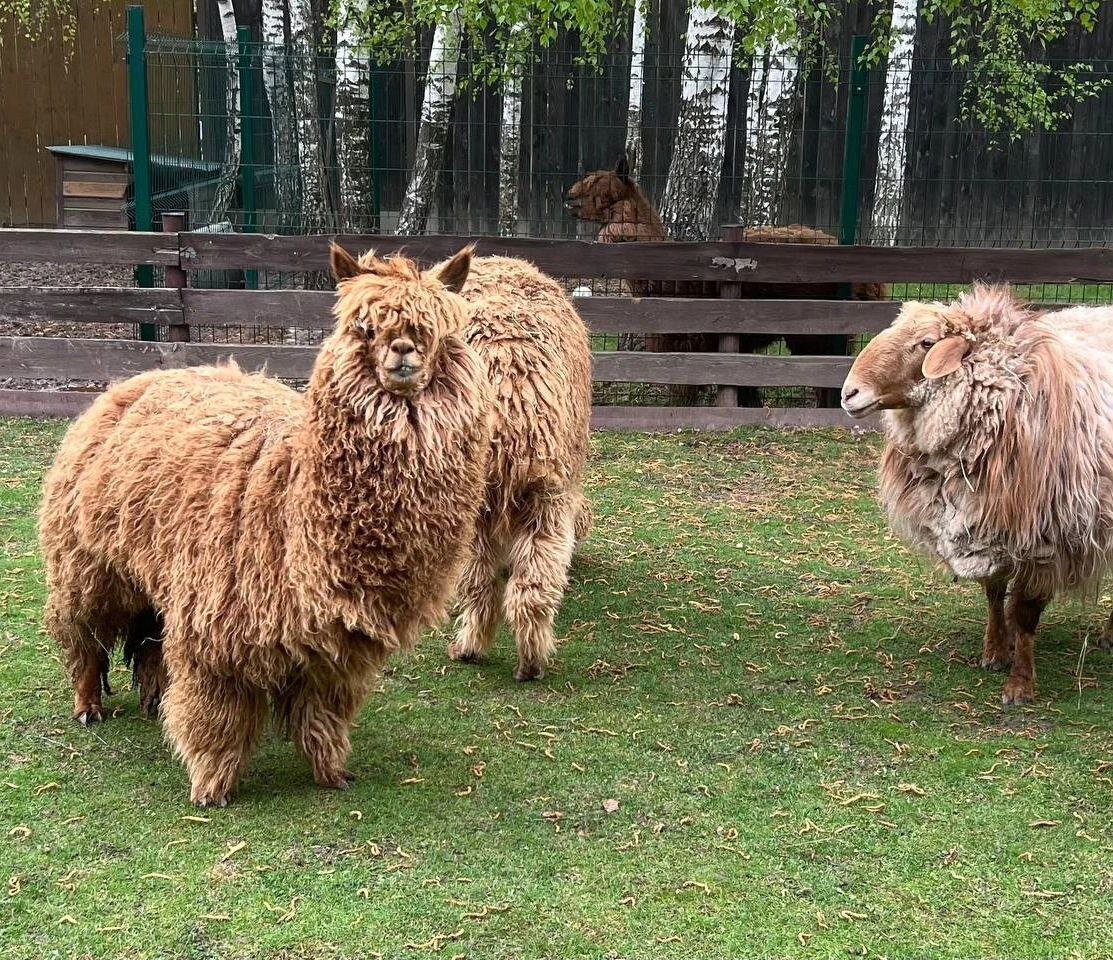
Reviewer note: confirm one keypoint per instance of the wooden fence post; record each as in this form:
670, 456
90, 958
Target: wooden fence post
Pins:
729, 342
176, 277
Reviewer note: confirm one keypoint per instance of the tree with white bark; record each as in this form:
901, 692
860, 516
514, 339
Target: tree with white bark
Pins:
771, 103
510, 131
692, 189
353, 130
637, 87
280, 102
892, 145
315, 213
229, 176
432, 133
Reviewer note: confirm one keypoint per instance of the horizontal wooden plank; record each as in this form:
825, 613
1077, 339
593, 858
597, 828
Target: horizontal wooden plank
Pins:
668, 315
301, 309
742, 369
86, 246
55, 358
92, 188
743, 262
89, 305
42, 404
666, 419
94, 219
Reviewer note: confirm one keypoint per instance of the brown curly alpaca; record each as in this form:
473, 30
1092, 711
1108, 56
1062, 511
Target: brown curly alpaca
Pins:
289, 543
612, 198
538, 355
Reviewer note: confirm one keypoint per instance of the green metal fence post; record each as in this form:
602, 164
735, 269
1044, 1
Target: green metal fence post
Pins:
247, 144
140, 145
854, 142
373, 99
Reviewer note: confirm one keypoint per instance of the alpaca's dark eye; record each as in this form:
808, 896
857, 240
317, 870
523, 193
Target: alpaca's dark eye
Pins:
927, 344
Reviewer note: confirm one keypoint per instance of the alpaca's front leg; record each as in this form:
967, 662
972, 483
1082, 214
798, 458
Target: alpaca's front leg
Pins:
1106, 642
213, 724
1023, 611
318, 713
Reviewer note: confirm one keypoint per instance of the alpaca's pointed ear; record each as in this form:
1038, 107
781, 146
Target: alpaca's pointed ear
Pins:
945, 357
454, 273
622, 168
344, 265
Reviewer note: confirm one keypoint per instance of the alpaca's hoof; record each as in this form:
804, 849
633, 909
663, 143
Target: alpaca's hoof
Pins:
529, 671
1018, 693
1106, 642
149, 706
206, 800
462, 654
89, 715
996, 662
337, 781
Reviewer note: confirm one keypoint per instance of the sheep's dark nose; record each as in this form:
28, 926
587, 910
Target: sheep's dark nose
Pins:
403, 346
852, 392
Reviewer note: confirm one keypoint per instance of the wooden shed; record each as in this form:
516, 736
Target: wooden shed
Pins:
93, 187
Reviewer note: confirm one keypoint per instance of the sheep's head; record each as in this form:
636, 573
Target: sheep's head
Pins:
928, 342
395, 318
593, 195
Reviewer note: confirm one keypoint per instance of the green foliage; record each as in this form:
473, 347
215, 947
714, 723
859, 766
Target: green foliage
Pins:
33, 18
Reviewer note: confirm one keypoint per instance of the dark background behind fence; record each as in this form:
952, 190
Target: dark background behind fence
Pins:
1046, 189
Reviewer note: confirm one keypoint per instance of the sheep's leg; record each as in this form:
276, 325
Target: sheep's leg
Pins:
318, 715
1106, 642
997, 652
540, 554
86, 656
1024, 612
479, 591
214, 725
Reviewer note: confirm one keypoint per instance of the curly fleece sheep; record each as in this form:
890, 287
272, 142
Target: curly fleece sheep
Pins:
999, 460
289, 544
538, 356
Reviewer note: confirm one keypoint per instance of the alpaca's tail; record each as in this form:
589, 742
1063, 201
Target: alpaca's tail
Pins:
143, 653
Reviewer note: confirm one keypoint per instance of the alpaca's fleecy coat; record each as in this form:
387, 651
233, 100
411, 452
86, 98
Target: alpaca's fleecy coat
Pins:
289, 543
538, 356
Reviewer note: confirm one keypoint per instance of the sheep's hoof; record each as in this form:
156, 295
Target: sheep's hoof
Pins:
1017, 693
337, 781
995, 663
462, 654
88, 715
530, 671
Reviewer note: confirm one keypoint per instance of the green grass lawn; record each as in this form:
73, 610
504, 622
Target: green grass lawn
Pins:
765, 736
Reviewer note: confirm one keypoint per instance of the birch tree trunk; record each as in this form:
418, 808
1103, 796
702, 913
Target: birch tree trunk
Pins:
637, 84
353, 134
311, 159
276, 83
892, 146
228, 178
510, 135
436, 112
770, 111
692, 190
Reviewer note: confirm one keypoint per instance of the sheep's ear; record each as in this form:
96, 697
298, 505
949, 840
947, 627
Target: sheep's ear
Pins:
945, 357
454, 274
622, 168
344, 265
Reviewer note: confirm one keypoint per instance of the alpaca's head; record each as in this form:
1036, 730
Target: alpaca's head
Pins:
928, 342
394, 319
594, 195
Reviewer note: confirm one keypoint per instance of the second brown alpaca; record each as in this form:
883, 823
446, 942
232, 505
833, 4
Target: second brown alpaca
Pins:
612, 198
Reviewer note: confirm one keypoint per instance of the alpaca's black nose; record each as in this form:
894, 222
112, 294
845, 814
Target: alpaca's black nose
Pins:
403, 346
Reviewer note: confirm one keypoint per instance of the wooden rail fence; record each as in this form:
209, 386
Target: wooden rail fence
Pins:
734, 264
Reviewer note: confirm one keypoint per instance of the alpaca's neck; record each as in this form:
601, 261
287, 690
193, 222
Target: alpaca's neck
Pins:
636, 209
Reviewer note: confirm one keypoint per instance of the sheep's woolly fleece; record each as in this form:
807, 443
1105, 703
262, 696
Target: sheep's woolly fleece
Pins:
1008, 462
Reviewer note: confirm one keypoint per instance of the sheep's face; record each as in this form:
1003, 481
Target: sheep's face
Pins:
591, 197
398, 317
921, 344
